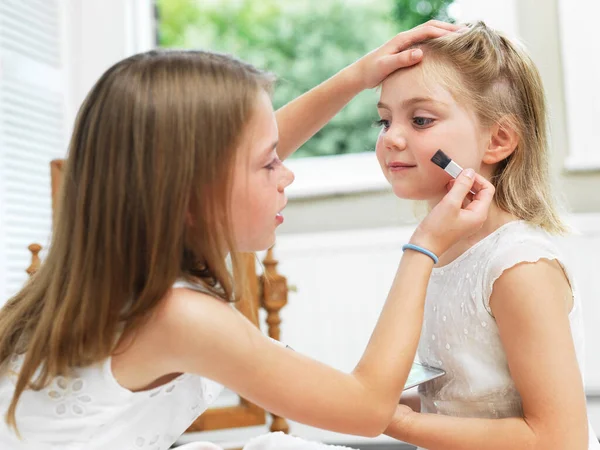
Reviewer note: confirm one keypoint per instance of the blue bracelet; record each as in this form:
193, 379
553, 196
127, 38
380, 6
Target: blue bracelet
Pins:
421, 250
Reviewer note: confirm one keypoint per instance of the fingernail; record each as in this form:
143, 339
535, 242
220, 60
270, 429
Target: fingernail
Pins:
469, 173
416, 54
462, 30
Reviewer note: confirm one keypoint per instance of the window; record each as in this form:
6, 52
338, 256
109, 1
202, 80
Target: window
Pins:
304, 43
581, 72
32, 129
51, 53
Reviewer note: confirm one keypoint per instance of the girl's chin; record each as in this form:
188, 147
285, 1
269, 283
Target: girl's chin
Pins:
259, 245
416, 194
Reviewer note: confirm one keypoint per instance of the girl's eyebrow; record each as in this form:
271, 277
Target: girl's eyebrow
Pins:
412, 101
272, 147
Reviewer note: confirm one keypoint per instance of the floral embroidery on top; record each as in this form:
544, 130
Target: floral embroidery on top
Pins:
69, 395
148, 442
168, 387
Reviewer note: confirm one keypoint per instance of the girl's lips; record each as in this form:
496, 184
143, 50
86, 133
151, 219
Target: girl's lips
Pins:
395, 164
399, 166
279, 216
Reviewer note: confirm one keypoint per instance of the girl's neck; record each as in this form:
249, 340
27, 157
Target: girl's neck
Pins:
496, 218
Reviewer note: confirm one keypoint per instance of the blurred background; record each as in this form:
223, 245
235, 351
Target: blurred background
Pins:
344, 228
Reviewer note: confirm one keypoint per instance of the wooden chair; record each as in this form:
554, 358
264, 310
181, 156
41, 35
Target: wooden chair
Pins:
268, 291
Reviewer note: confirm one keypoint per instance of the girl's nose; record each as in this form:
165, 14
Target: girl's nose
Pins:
286, 179
394, 139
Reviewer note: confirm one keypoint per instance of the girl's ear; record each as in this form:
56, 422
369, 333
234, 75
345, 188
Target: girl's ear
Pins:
503, 142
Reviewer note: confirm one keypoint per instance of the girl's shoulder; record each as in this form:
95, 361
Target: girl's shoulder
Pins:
159, 347
519, 233
516, 243
191, 304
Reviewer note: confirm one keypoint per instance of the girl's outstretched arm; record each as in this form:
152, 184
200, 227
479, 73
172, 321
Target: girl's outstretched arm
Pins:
531, 304
196, 333
300, 119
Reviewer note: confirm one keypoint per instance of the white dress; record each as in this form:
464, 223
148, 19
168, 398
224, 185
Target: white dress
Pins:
91, 411
460, 334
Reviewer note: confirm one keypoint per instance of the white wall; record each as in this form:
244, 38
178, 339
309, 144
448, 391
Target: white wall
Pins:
581, 75
99, 34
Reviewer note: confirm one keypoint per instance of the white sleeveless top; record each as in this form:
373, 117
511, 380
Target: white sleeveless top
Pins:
92, 411
460, 334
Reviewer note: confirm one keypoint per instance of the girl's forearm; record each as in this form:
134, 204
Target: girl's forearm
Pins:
438, 432
300, 119
387, 360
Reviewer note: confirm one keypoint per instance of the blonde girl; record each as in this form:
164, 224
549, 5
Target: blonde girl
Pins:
502, 317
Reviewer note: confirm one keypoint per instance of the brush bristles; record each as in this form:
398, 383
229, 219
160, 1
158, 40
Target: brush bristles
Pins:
440, 159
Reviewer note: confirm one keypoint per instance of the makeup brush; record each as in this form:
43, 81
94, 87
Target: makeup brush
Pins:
443, 161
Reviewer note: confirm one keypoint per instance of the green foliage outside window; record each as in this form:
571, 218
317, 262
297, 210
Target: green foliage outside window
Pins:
303, 42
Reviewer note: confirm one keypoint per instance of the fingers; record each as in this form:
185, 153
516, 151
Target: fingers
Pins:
484, 196
461, 188
400, 60
422, 32
441, 24
394, 54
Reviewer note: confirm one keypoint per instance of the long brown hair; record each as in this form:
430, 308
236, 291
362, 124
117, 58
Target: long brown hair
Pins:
144, 201
500, 82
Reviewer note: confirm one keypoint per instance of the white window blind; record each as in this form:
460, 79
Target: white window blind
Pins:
32, 129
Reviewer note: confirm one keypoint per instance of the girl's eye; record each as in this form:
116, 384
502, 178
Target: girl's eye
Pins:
422, 121
385, 124
273, 164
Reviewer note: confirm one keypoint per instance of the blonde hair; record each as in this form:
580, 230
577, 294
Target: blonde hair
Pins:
500, 82
144, 201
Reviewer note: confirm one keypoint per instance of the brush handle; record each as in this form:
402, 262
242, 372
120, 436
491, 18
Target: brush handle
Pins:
454, 171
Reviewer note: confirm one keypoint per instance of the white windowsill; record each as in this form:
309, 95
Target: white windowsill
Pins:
324, 176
